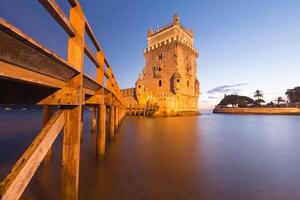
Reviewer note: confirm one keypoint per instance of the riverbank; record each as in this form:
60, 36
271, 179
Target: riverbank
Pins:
258, 111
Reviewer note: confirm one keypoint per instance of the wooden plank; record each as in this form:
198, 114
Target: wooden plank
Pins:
89, 92
53, 8
95, 100
92, 36
21, 50
91, 55
64, 96
89, 83
15, 183
15, 72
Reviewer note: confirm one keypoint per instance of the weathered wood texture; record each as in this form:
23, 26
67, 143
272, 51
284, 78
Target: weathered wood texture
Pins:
59, 15
116, 118
15, 183
101, 131
111, 122
73, 126
94, 120
47, 113
32, 74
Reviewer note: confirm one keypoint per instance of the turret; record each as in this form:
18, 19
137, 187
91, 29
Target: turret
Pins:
150, 31
139, 85
176, 19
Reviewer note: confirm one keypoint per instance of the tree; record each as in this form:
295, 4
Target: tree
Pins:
271, 104
279, 100
259, 101
259, 95
236, 101
293, 95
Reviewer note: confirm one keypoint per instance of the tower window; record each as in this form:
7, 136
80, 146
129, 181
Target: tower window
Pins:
178, 80
159, 83
140, 86
159, 56
188, 84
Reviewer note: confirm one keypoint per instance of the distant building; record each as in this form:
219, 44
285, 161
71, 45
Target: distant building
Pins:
169, 78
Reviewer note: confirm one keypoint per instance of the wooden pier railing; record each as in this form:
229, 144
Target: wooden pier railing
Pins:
32, 74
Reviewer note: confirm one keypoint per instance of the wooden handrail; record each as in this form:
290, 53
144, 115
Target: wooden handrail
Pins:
92, 36
91, 55
56, 12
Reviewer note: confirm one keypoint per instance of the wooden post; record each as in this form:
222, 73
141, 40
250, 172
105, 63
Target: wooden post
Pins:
94, 120
111, 122
73, 115
116, 118
47, 113
101, 133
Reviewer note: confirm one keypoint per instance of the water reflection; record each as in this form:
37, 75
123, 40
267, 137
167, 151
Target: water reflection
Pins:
206, 157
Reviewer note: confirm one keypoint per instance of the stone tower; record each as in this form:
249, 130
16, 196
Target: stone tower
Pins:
169, 78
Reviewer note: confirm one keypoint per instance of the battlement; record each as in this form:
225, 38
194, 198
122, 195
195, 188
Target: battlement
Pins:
154, 32
171, 41
128, 92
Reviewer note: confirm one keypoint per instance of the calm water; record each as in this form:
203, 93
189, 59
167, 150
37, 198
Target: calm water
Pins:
212, 157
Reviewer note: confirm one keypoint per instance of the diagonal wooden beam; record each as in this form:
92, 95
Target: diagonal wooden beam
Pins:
53, 8
16, 181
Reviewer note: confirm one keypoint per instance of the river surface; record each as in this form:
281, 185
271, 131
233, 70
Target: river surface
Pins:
210, 157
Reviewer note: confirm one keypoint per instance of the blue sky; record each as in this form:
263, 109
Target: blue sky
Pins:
244, 44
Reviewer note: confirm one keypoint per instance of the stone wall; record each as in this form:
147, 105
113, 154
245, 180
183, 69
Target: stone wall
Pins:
263, 111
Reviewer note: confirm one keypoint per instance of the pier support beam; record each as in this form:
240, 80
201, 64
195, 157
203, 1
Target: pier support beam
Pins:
94, 120
101, 133
111, 122
71, 153
116, 118
73, 114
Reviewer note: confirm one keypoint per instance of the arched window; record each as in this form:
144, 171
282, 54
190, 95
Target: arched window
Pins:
159, 83
188, 84
178, 80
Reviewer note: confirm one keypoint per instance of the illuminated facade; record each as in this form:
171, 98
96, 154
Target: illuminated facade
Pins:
169, 78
